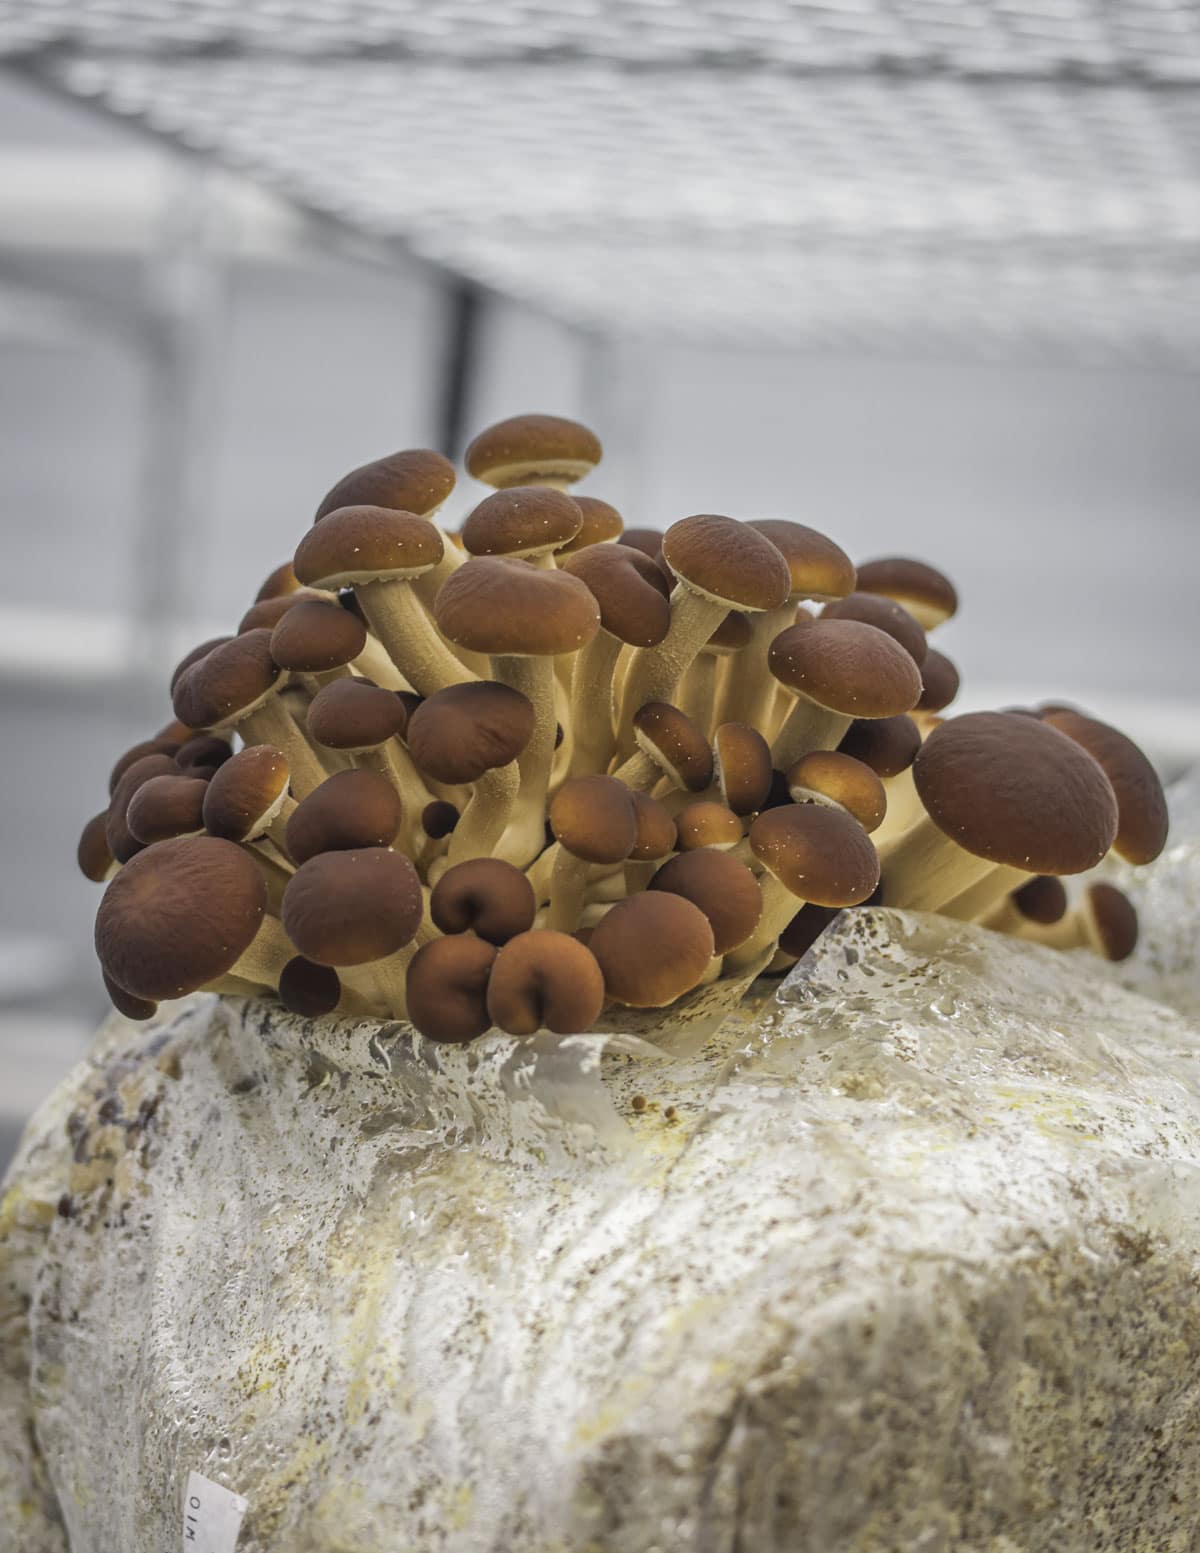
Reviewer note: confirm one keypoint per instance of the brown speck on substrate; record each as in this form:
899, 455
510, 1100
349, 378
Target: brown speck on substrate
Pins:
670, 1113
638, 1102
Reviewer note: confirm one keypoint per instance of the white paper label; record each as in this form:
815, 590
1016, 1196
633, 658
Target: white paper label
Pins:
212, 1516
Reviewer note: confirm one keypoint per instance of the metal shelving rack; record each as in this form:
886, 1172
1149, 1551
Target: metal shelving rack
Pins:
972, 177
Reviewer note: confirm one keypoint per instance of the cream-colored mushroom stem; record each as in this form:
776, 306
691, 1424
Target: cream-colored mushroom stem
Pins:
568, 887
1075, 930
923, 869
271, 723
487, 814
427, 587
400, 621
381, 982
654, 672
590, 717
807, 727
267, 955
748, 691
526, 833
779, 906
904, 808
1008, 918
981, 900
640, 773
236, 987
697, 693
393, 762
374, 663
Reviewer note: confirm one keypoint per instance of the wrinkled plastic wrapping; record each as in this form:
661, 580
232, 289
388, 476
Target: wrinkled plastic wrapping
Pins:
902, 1258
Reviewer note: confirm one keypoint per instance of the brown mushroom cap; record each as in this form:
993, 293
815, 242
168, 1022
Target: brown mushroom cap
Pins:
530, 448
655, 829
673, 741
652, 948
819, 568
227, 682
316, 636
731, 635
707, 824
544, 980
125, 1003
602, 523
94, 855
728, 562
194, 656
484, 895
742, 766
939, 682
525, 520
459, 733
1016, 791
805, 928
1114, 919
509, 609
447, 987
246, 794
887, 744
722, 887
925, 592
122, 843
416, 480
835, 777
137, 752
1041, 899
269, 612
350, 810
630, 591
647, 540
820, 855
885, 615
367, 544
438, 819
1141, 806
348, 908
166, 806
201, 755
308, 989
352, 714
179, 915
852, 669
594, 819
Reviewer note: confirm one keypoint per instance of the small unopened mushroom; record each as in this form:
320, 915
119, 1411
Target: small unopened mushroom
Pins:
809, 854
805, 928
1105, 921
668, 745
416, 480
166, 806
525, 522
349, 811
594, 822
138, 751
707, 824
544, 980
652, 948
742, 767
200, 756
719, 565
1037, 904
447, 988
722, 887
522, 618
185, 913
248, 797
122, 843
185, 663
927, 594
1142, 821
647, 540
838, 670
887, 744
699, 687
834, 778
318, 639
485, 896
885, 615
602, 524
939, 682
365, 721
267, 613
94, 855
656, 838
278, 584
308, 989
533, 450
1005, 797
474, 735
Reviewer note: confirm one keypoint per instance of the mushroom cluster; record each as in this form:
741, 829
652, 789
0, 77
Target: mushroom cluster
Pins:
511, 776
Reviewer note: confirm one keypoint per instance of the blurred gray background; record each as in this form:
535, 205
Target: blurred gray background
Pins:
188, 361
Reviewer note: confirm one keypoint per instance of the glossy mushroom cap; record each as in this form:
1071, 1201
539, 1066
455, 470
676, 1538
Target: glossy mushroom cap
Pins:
201, 755
269, 612
1041, 899
356, 545
509, 609
465, 730
416, 480
707, 824
524, 521
652, 948
348, 908
308, 989
446, 989
246, 794
887, 744
927, 594
631, 592
830, 776
656, 833
485, 896
166, 806
228, 682
594, 819
939, 682
1142, 809
530, 449
728, 562
351, 714
94, 855
819, 568
1017, 792
673, 741
316, 636
179, 915
278, 584
602, 524
1114, 920
850, 668
885, 615
820, 855
543, 980
138, 751
194, 656
122, 843
350, 810
722, 887
646, 540
742, 767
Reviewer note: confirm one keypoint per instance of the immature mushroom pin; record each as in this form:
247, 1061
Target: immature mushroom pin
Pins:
533, 450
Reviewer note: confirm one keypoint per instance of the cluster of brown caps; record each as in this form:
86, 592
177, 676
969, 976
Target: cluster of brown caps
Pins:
509, 776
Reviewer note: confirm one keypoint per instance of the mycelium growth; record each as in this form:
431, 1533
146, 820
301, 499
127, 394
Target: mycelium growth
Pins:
528, 776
